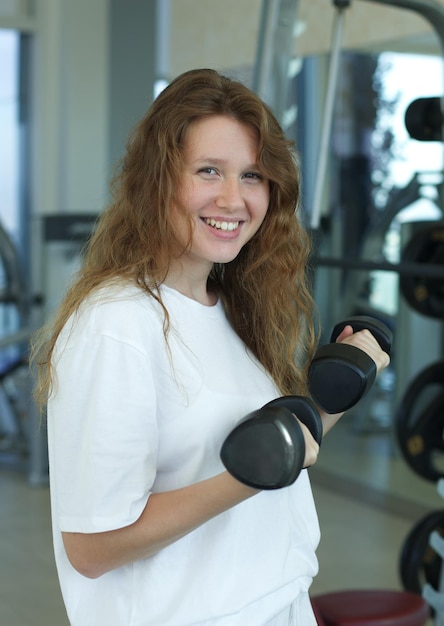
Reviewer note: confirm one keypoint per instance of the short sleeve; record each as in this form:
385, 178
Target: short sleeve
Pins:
103, 435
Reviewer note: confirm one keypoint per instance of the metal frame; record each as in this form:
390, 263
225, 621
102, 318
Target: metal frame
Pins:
275, 53
432, 11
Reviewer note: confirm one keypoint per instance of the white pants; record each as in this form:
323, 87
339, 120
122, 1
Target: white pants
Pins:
300, 613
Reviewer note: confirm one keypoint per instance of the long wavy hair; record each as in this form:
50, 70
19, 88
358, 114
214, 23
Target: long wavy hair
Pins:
265, 290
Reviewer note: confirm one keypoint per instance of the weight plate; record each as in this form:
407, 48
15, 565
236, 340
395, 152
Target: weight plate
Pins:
425, 443
419, 563
419, 423
425, 295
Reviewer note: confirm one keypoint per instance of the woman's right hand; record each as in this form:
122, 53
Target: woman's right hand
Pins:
311, 445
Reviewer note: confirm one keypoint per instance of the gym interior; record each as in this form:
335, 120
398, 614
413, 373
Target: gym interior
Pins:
358, 85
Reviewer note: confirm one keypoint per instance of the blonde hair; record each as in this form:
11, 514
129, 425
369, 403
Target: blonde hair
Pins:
265, 290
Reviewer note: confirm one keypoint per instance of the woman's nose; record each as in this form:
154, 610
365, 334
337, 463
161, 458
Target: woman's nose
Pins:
230, 195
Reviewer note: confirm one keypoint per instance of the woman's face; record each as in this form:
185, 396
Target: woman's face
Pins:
222, 190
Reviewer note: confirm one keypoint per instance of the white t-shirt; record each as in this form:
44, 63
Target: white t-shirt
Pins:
124, 423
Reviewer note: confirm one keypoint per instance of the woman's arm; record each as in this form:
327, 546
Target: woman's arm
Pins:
166, 518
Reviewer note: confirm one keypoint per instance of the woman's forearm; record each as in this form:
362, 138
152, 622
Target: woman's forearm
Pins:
166, 518
329, 420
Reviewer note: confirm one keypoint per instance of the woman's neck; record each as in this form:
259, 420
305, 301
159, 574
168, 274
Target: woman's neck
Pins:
192, 287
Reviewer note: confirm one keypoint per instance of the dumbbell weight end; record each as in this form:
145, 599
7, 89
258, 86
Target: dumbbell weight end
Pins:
339, 379
266, 449
341, 374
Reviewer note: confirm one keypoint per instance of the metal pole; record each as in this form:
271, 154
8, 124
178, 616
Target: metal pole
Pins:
406, 268
328, 114
265, 47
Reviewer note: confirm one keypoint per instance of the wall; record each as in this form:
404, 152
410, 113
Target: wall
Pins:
71, 83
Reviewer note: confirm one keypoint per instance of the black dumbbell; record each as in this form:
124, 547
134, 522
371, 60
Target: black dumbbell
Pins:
266, 450
341, 374
305, 410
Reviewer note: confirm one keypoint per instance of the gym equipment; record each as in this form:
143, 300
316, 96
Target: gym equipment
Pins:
275, 55
341, 374
403, 269
425, 440
318, 616
419, 423
425, 294
371, 607
423, 119
15, 384
14, 438
429, 10
13, 286
266, 450
419, 563
306, 412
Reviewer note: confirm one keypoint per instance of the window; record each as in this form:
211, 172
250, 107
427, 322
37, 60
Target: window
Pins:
14, 185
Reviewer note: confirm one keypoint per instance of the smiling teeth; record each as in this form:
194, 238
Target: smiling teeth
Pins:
222, 225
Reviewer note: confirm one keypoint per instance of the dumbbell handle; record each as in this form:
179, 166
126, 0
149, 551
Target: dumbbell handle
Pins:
380, 331
305, 410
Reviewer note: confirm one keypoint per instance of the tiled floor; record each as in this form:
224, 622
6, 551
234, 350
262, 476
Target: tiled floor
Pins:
367, 502
29, 593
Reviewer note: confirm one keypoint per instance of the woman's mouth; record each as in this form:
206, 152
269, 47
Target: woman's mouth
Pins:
221, 225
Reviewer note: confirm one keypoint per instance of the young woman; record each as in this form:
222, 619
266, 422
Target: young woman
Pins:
191, 310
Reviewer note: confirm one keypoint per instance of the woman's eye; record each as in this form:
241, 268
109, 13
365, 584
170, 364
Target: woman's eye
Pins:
254, 176
207, 170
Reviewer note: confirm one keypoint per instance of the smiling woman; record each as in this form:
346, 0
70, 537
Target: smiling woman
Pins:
192, 310
223, 194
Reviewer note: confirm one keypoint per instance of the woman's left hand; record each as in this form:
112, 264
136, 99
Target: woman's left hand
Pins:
365, 341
